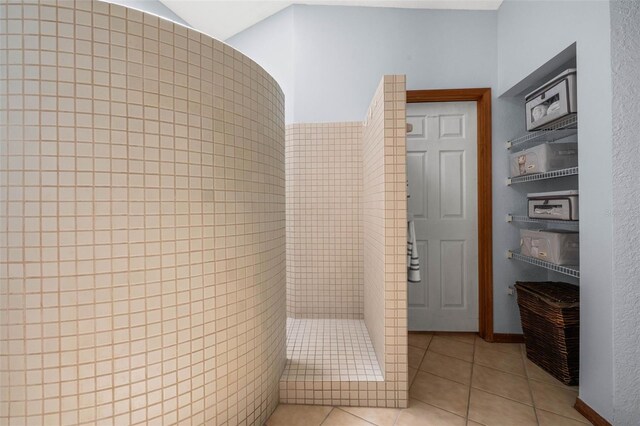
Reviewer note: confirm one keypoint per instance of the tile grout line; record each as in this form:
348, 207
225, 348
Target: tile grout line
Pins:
427, 372
438, 407
454, 357
565, 417
524, 376
526, 372
502, 396
473, 363
327, 416
529, 380
446, 378
395, 421
355, 415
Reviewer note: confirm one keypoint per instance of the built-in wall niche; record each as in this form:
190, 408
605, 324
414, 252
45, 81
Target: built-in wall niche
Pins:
545, 72
543, 168
558, 138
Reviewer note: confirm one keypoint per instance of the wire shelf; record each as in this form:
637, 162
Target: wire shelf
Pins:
572, 271
559, 130
527, 219
542, 176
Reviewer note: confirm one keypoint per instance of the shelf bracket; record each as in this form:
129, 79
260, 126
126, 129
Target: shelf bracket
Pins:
509, 218
508, 145
508, 181
509, 254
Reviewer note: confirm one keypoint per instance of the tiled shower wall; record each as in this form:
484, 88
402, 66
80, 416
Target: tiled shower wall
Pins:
373, 203
324, 220
142, 259
385, 228
384, 239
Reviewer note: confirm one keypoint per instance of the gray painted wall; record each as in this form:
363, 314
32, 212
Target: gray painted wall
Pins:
625, 64
523, 45
151, 6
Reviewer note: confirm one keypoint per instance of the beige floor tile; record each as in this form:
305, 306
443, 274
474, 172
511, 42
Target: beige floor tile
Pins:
513, 348
291, 415
472, 423
556, 399
511, 363
377, 416
448, 367
421, 414
341, 418
492, 410
537, 373
415, 356
461, 337
442, 393
420, 340
453, 348
412, 374
546, 418
500, 383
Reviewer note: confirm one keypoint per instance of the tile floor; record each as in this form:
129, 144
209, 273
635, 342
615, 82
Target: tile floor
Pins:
329, 350
458, 379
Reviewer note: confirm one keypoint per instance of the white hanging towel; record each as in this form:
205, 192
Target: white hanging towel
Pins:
413, 261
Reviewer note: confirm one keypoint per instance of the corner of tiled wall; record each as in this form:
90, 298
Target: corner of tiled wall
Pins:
385, 227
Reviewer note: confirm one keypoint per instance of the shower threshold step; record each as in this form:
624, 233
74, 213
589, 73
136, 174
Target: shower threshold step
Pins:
336, 350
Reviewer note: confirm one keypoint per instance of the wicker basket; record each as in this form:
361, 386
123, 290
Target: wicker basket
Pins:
550, 313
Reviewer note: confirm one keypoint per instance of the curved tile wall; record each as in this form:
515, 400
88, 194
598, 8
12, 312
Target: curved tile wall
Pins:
143, 222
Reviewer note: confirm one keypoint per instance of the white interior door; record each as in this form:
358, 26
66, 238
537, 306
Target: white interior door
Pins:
442, 175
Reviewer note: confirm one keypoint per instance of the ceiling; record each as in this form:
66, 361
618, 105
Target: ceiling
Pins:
222, 19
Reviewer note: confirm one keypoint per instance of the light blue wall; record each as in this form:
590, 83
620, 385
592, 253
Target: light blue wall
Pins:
339, 55
342, 52
270, 43
625, 61
529, 34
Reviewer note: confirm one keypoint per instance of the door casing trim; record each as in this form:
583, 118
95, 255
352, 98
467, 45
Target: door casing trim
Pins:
482, 97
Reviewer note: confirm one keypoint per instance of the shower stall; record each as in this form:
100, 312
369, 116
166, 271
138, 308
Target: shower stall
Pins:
346, 258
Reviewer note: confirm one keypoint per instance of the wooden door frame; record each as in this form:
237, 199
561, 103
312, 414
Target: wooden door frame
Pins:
482, 97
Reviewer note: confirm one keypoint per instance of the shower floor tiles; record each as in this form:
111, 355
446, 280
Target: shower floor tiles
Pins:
337, 350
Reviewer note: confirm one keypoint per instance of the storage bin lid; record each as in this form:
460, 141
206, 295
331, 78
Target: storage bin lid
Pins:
530, 232
559, 294
552, 194
549, 83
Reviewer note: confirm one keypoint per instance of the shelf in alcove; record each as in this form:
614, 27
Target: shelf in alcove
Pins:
526, 219
561, 129
572, 271
543, 176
